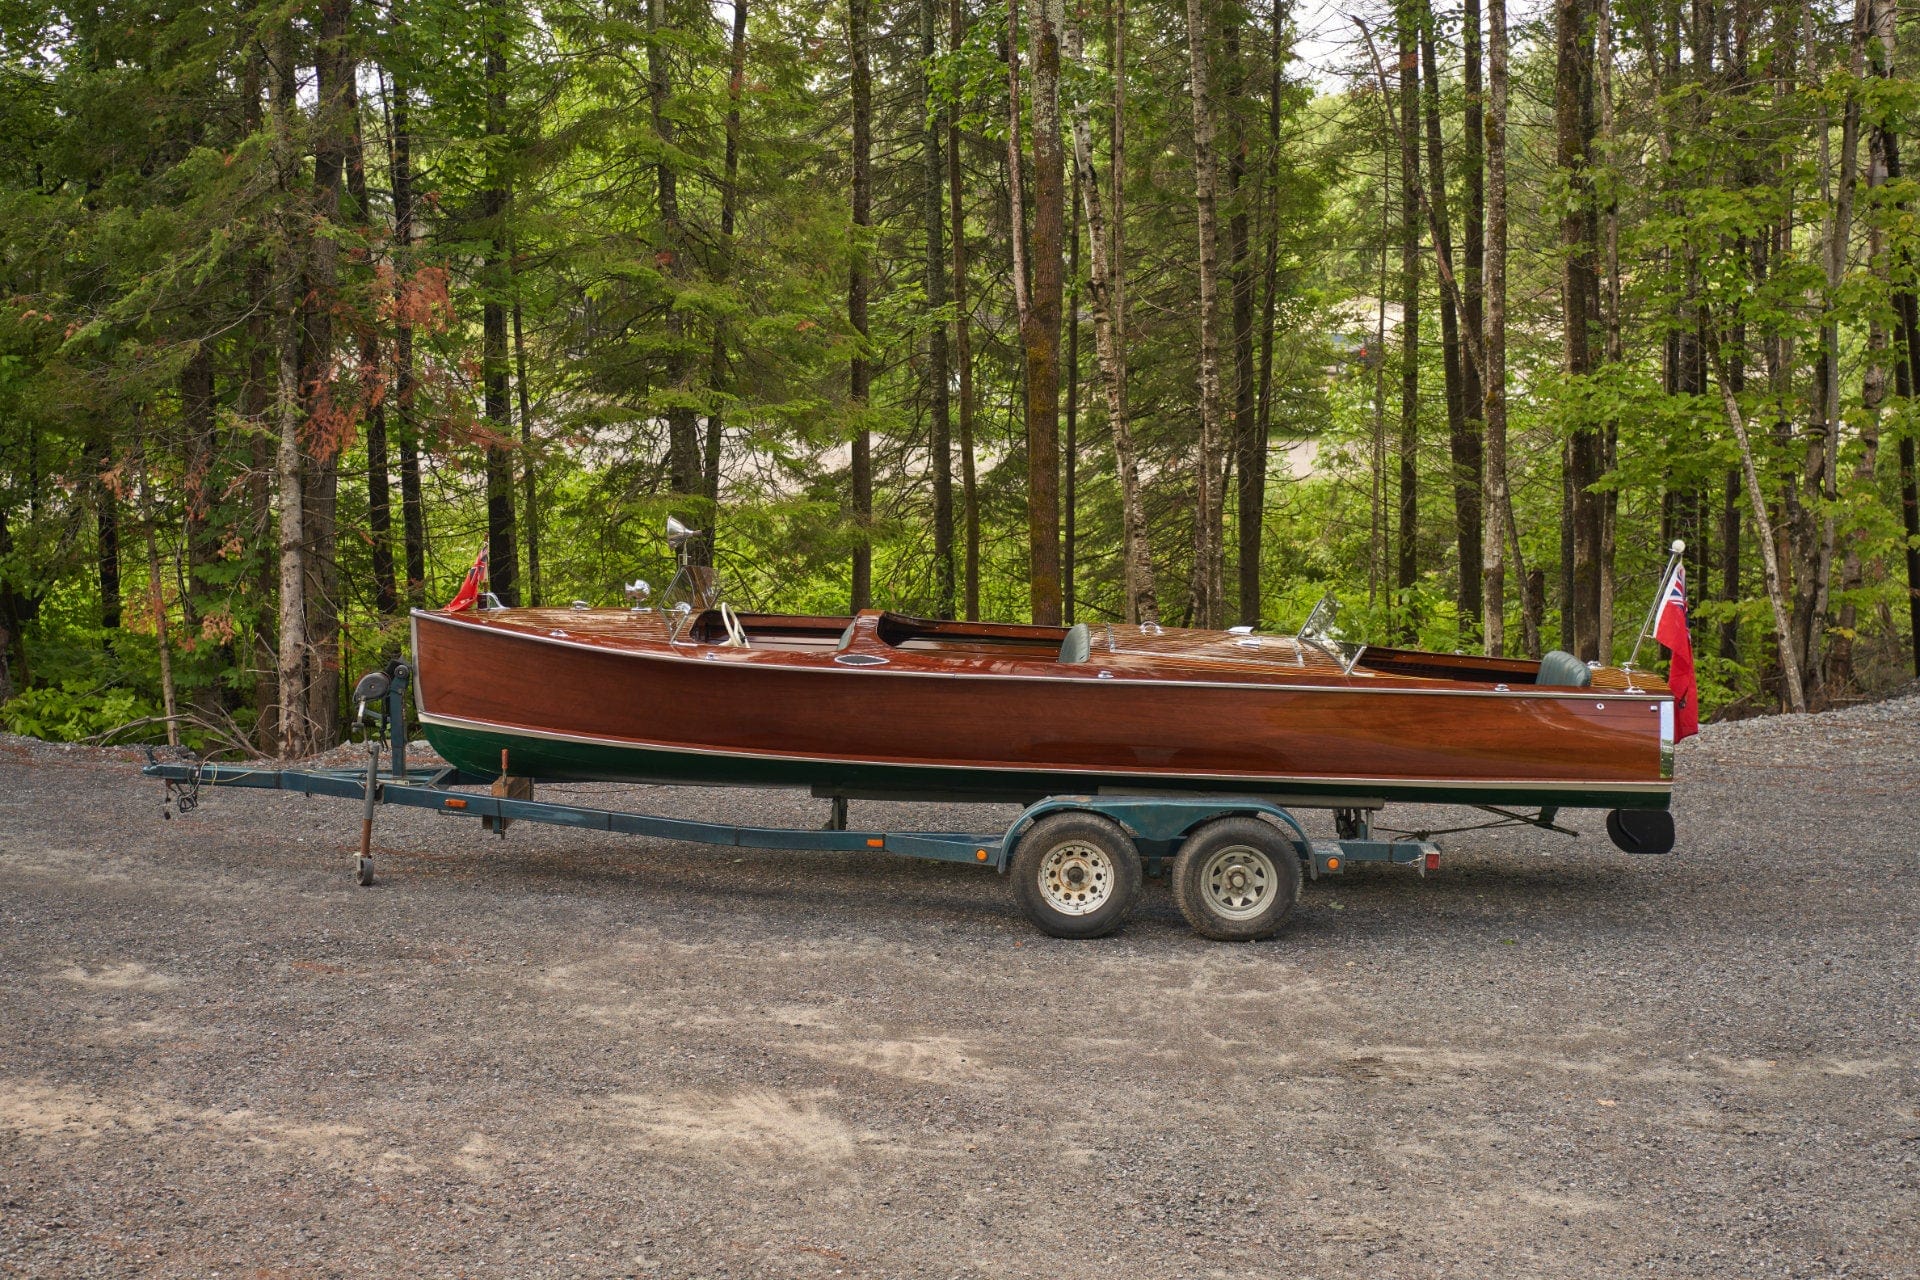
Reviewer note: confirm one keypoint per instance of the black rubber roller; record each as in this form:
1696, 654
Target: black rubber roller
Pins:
1641, 830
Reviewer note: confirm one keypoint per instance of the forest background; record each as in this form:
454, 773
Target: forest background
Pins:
1123, 310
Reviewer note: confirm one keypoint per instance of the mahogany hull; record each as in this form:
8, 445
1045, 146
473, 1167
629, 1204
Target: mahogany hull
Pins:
567, 707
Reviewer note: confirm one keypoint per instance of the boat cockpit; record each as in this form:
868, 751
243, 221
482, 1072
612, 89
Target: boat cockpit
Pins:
873, 633
697, 615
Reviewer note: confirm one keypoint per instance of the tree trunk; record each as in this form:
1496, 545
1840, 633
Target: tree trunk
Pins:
1249, 446
1040, 319
1377, 523
333, 129
1610, 234
1776, 592
1253, 497
412, 511
1730, 561
1406, 22
685, 475
106, 523
1907, 373
861, 591
15, 604
1494, 344
1580, 306
1204, 591
1821, 480
1906, 365
1469, 459
529, 456
939, 395
503, 556
386, 594
252, 406
1462, 448
1775, 248
1567, 465
1139, 599
1840, 677
1143, 601
295, 729
1906, 370
1070, 500
717, 378
157, 600
962, 335
1686, 363
1910, 519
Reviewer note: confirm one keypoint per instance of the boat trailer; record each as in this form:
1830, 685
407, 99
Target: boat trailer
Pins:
1236, 862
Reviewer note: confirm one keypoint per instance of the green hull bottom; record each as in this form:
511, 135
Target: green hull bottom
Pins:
477, 752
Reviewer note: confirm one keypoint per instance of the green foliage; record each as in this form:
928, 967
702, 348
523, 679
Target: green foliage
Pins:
74, 710
143, 215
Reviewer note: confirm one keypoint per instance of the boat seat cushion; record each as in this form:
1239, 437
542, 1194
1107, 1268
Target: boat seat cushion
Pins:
1562, 668
1078, 645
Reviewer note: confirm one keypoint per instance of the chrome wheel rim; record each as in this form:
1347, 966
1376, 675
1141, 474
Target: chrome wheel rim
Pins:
1240, 882
1076, 878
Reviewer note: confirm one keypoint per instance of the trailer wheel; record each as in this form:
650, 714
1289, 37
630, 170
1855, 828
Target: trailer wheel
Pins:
1076, 875
1236, 880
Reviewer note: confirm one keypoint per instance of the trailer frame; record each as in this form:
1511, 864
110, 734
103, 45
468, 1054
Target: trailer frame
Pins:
1156, 828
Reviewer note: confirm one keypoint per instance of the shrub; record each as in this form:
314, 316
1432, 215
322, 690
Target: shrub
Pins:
73, 710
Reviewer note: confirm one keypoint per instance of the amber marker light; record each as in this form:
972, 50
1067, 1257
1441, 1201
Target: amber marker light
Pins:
876, 844
456, 804
980, 854
1333, 864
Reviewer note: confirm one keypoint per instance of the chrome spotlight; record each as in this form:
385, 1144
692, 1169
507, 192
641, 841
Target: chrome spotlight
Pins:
678, 535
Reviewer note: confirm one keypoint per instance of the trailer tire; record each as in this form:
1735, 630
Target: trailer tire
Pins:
1076, 875
1237, 880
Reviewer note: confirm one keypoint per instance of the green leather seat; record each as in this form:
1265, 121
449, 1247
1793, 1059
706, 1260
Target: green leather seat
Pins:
1078, 644
1562, 668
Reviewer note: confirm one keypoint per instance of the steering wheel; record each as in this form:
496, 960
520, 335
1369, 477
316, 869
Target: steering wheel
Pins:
736, 634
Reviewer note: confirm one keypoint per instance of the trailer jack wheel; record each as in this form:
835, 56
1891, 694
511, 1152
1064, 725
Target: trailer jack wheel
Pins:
1236, 880
1076, 875
363, 871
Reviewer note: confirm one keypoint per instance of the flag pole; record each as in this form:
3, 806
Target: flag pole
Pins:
1679, 548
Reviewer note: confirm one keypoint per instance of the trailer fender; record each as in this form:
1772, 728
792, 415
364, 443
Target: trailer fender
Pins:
1158, 825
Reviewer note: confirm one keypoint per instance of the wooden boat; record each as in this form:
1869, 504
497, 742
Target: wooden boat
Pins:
890, 706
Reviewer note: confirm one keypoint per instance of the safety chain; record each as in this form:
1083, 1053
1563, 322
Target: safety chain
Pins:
184, 796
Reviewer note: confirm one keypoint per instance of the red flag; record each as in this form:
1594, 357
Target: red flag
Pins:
1670, 629
469, 594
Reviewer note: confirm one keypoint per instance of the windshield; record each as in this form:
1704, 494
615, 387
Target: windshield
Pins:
1322, 631
695, 587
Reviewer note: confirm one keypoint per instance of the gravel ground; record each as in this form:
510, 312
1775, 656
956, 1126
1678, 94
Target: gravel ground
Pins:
570, 1054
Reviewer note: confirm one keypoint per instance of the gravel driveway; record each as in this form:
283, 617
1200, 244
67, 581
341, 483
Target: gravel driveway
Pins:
570, 1054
